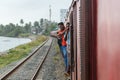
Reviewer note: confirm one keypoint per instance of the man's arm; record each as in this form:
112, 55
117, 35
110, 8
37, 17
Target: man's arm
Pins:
54, 34
61, 33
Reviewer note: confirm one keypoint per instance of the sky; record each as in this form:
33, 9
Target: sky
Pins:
11, 11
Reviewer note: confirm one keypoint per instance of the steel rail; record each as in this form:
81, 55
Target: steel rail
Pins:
40, 65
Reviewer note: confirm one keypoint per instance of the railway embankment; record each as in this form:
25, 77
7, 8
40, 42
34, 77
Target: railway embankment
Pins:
53, 67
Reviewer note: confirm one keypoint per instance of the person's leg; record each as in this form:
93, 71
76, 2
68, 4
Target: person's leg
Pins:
61, 51
65, 57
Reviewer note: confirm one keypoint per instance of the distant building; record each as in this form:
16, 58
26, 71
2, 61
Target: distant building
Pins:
63, 14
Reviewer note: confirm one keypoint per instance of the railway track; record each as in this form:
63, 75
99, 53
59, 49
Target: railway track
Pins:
30, 66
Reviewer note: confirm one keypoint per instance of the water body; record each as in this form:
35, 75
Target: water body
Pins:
7, 43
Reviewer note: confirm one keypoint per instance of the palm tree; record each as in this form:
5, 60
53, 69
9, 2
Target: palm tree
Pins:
21, 22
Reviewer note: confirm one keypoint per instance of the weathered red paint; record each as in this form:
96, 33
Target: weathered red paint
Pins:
108, 37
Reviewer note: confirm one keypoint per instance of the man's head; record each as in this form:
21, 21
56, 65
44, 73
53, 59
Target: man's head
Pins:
67, 24
61, 26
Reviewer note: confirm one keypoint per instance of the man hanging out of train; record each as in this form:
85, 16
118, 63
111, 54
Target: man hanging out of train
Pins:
60, 35
67, 38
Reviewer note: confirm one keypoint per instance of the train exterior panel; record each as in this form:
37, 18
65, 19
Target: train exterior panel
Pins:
108, 37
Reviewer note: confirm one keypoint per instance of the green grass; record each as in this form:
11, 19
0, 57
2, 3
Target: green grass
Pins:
56, 57
57, 49
20, 51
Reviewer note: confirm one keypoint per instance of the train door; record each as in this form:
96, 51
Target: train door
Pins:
83, 62
72, 47
88, 40
73, 21
75, 39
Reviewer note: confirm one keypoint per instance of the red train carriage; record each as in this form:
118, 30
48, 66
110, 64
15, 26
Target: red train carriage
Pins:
95, 39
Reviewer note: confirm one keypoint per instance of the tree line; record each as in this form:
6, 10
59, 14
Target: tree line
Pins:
43, 26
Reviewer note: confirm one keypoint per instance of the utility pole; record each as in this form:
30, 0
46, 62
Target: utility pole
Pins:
50, 13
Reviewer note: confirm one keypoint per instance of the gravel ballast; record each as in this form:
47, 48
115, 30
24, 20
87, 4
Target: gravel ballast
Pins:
53, 68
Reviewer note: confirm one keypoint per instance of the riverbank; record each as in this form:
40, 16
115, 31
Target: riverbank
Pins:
19, 52
7, 43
